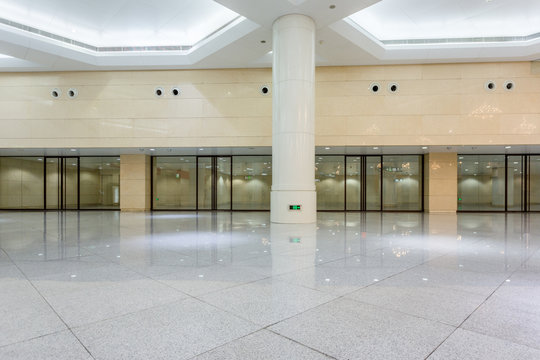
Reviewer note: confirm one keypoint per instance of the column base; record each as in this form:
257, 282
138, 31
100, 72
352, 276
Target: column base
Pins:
281, 200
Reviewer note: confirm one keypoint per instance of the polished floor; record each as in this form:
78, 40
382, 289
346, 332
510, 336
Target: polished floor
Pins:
110, 285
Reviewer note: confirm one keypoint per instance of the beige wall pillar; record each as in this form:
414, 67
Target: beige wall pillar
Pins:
440, 187
135, 182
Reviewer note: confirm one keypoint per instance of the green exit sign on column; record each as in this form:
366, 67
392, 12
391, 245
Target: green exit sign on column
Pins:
295, 207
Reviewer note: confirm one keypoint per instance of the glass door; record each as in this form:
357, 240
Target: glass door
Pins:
515, 189
70, 183
363, 183
205, 183
61, 183
214, 183
533, 191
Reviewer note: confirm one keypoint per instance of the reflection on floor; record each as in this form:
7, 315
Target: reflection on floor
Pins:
110, 285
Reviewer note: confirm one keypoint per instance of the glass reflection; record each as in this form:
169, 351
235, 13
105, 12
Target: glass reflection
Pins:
330, 182
354, 183
514, 183
205, 183
174, 182
373, 182
534, 183
223, 185
481, 182
21, 182
252, 181
402, 182
100, 182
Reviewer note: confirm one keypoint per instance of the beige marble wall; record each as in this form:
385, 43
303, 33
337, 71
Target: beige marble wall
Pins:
438, 104
135, 182
440, 182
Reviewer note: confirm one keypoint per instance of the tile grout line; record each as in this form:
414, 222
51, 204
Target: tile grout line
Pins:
472, 312
56, 313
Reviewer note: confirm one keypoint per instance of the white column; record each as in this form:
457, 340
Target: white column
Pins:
293, 120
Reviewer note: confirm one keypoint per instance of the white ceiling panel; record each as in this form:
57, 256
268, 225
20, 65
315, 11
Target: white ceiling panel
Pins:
106, 23
448, 19
58, 35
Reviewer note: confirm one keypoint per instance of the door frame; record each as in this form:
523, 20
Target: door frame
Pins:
61, 182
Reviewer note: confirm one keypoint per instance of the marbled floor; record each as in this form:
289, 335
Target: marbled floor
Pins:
109, 285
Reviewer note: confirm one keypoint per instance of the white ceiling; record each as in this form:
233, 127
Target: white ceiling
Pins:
60, 35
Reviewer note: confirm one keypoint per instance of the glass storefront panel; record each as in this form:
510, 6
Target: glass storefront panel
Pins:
174, 182
534, 183
481, 182
70, 195
100, 182
21, 183
330, 182
514, 181
205, 183
354, 183
223, 183
252, 181
402, 182
52, 183
373, 182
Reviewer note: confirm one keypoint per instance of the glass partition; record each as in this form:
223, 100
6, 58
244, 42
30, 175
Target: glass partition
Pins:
373, 182
204, 179
402, 182
223, 183
174, 182
21, 183
99, 182
534, 183
70, 183
252, 181
514, 183
330, 182
354, 183
53, 180
481, 182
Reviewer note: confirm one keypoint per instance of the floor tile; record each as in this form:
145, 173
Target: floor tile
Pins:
125, 280
417, 297
23, 311
83, 305
464, 344
342, 276
267, 301
174, 331
58, 346
346, 329
501, 320
198, 281
263, 345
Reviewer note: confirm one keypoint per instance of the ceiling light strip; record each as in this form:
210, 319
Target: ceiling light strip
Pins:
493, 39
183, 48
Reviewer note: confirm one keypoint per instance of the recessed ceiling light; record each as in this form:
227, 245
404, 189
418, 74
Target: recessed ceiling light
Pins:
152, 149
507, 147
424, 147
201, 149
327, 148
73, 149
375, 148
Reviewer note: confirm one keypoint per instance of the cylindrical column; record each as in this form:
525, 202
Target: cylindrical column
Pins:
293, 121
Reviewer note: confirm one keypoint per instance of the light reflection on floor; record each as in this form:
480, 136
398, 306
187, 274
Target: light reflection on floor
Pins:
109, 285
